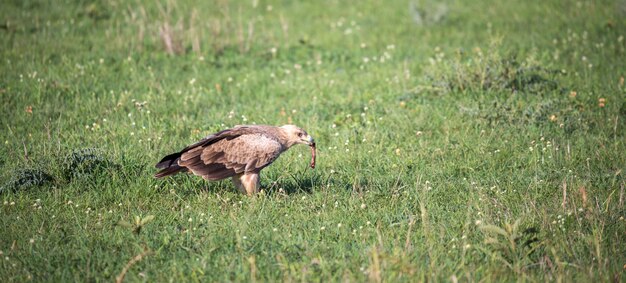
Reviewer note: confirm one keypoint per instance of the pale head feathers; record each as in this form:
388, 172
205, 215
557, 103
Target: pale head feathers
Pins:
295, 135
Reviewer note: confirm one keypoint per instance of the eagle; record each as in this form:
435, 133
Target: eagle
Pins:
240, 153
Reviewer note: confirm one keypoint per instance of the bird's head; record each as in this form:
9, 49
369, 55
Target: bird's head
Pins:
297, 135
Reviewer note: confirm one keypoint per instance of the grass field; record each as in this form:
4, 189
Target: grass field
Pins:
457, 140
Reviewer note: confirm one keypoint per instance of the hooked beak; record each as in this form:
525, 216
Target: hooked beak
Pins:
309, 140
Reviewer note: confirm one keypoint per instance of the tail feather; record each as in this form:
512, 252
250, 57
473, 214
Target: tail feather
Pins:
169, 166
168, 161
174, 169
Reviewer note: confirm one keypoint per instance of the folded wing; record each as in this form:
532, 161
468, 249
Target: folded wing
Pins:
229, 157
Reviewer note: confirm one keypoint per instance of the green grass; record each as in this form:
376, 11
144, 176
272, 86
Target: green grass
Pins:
487, 145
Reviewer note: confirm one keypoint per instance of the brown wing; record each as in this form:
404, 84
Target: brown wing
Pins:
172, 159
227, 157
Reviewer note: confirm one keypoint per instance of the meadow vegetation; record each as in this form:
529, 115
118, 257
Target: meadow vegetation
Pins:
457, 140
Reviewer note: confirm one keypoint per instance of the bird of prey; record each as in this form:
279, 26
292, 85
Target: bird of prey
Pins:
241, 153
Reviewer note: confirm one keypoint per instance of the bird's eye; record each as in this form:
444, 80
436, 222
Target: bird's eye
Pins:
300, 134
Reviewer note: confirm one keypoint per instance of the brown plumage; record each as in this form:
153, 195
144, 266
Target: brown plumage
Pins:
241, 153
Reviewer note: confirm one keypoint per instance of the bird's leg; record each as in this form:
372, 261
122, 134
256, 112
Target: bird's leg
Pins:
251, 182
237, 182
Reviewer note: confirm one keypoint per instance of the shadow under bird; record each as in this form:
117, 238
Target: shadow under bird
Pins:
240, 153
